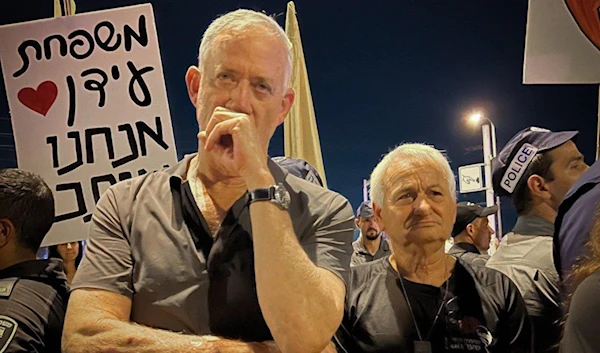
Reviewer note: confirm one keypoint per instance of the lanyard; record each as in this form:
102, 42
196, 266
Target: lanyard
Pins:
412, 314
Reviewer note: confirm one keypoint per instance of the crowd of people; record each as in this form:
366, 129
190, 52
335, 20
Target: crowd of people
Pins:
232, 251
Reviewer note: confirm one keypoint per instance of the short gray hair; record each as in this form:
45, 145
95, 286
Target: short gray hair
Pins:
236, 23
405, 155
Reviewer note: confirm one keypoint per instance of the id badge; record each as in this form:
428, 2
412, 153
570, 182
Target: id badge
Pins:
422, 346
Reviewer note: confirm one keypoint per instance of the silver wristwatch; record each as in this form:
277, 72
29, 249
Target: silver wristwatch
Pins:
274, 193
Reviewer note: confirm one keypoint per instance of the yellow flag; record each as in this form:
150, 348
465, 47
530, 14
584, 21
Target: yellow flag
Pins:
57, 9
71, 7
300, 133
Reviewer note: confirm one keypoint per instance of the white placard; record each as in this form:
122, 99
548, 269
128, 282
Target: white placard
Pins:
470, 178
88, 106
562, 42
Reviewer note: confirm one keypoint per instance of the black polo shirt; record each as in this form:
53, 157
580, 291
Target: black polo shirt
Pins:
33, 302
149, 242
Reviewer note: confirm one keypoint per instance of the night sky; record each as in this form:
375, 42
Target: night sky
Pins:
381, 73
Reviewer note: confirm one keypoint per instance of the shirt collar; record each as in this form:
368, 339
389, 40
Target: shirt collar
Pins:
359, 247
468, 247
533, 225
35, 268
178, 172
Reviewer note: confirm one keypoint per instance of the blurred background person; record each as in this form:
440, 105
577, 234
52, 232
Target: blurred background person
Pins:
33, 293
371, 243
300, 168
472, 233
581, 329
71, 255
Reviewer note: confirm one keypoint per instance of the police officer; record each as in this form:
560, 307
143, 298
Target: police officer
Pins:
536, 168
33, 293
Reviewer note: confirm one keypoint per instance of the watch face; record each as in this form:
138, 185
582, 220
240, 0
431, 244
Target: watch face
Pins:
282, 195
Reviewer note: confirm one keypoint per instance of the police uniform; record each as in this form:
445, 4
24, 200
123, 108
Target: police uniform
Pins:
33, 302
525, 255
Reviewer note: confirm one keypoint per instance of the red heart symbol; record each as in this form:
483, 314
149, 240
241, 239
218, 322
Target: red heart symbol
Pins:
39, 100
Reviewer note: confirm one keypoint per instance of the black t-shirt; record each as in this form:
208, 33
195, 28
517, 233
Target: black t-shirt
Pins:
581, 330
425, 302
482, 312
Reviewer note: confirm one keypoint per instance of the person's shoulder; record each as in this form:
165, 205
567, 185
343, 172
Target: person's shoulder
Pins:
586, 292
456, 250
584, 204
365, 273
31, 316
7, 286
321, 203
29, 297
39, 289
153, 182
486, 276
150, 179
477, 259
299, 185
356, 245
583, 310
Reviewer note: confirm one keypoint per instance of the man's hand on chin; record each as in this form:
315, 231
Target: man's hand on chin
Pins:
232, 137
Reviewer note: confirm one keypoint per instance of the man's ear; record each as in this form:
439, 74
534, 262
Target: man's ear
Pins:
538, 187
378, 219
7, 231
286, 104
470, 228
356, 222
192, 81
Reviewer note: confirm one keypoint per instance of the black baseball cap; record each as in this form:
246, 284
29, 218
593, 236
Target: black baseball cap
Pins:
512, 161
467, 212
364, 210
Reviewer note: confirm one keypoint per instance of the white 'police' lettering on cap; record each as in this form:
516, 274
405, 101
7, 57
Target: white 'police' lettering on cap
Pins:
517, 167
538, 129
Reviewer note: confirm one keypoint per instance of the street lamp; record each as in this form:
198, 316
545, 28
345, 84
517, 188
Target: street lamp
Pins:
488, 131
475, 118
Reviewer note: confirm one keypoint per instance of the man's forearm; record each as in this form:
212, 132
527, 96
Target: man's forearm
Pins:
111, 335
301, 303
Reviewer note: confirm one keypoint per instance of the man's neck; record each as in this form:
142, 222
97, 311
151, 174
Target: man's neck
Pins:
70, 270
465, 239
423, 265
70, 267
372, 246
9, 260
543, 211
